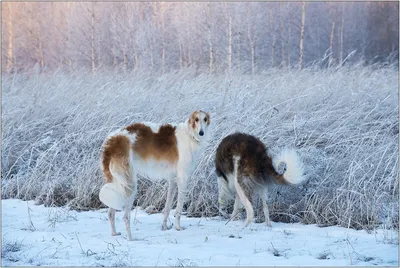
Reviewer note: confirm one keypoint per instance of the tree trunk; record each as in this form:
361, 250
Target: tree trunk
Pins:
210, 45
303, 18
114, 29
211, 60
136, 56
124, 56
10, 39
188, 56
289, 40
98, 46
272, 30
341, 35
180, 55
283, 60
41, 59
92, 39
331, 43
251, 40
151, 56
162, 36
229, 42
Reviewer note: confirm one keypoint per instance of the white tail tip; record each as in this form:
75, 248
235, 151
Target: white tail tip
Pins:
294, 166
111, 197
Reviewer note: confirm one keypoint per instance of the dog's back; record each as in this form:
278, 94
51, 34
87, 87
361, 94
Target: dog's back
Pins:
254, 161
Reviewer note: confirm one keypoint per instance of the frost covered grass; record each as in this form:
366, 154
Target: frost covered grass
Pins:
344, 124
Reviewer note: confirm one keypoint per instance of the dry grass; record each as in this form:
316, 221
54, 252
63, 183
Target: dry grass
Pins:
344, 124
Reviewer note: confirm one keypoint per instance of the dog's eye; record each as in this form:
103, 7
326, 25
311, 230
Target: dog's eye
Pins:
197, 119
205, 119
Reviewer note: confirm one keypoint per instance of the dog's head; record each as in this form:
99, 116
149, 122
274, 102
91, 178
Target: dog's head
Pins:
199, 122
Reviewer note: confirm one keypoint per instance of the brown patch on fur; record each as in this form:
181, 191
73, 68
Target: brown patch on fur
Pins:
115, 148
192, 119
254, 161
159, 146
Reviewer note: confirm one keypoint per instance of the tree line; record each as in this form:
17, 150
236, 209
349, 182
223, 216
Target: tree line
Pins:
246, 37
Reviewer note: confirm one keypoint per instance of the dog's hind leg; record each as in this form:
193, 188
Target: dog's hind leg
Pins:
127, 216
111, 217
168, 204
131, 190
239, 190
222, 196
264, 198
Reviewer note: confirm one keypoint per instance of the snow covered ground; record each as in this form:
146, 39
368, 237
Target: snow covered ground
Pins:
38, 235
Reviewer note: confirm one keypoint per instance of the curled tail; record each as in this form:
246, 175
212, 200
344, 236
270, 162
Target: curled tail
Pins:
116, 161
289, 168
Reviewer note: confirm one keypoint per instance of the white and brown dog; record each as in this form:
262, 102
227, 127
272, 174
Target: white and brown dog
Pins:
158, 151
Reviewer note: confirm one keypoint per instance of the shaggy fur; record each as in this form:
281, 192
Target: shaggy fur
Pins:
243, 166
157, 151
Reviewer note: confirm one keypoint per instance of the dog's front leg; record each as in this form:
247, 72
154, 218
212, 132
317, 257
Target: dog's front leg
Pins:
182, 182
170, 196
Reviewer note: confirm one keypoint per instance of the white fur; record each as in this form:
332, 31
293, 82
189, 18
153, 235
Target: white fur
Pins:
189, 143
110, 195
294, 167
240, 192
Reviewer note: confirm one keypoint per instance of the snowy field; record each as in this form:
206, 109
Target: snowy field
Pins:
38, 235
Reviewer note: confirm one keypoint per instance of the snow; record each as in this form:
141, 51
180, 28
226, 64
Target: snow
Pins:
59, 236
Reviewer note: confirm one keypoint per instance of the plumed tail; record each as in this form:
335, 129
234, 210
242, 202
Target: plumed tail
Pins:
111, 196
116, 162
289, 167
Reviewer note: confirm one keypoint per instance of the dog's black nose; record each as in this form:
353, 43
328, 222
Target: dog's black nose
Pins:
201, 133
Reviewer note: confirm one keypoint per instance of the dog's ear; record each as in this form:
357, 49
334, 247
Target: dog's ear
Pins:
208, 118
192, 121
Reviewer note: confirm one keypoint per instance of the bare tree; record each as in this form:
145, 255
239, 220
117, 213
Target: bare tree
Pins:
272, 32
229, 32
303, 18
341, 33
10, 38
165, 36
92, 38
250, 36
282, 35
333, 12
209, 35
162, 12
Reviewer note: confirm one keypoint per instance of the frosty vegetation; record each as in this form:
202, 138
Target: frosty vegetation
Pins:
343, 122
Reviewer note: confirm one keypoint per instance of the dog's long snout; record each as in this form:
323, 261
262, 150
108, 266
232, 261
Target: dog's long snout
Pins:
201, 133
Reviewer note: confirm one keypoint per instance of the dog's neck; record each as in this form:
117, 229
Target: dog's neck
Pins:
189, 132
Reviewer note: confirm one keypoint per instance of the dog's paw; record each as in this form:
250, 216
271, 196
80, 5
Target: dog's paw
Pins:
164, 227
180, 228
116, 234
247, 222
